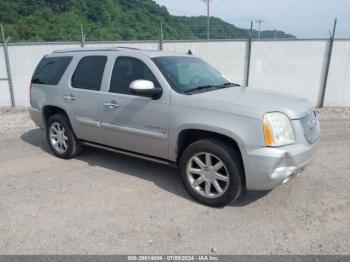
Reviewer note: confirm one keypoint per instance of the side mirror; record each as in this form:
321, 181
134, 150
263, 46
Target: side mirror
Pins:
145, 87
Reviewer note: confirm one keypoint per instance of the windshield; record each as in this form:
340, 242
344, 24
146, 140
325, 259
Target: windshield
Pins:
189, 73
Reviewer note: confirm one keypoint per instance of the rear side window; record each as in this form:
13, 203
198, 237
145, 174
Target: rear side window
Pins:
89, 72
50, 70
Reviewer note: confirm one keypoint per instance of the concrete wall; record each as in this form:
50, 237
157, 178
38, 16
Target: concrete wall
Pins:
294, 67
291, 66
338, 88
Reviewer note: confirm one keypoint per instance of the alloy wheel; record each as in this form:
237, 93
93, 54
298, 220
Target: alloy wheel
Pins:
58, 137
207, 175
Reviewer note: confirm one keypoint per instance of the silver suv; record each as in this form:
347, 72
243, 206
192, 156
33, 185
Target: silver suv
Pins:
174, 109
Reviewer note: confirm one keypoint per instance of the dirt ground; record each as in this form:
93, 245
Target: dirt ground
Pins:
105, 203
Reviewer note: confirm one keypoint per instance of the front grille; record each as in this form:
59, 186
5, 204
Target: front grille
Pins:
311, 127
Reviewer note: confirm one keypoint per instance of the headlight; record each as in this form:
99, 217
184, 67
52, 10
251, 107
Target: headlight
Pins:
278, 129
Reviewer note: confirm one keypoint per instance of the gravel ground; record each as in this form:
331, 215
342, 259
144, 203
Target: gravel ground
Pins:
105, 203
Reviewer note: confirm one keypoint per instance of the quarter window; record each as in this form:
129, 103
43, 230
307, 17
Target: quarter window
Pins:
127, 70
50, 70
89, 72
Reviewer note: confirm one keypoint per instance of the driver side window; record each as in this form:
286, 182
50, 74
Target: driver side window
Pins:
127, 70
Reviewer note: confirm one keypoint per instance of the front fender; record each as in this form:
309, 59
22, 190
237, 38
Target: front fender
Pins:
247, 132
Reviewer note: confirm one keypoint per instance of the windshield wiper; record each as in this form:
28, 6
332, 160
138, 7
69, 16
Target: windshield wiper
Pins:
230, 84
198, 88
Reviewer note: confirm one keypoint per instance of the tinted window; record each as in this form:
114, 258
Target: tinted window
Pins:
186, 73
89, 73
50, 70
127, 70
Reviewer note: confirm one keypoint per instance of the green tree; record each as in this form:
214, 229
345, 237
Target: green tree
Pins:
59, 20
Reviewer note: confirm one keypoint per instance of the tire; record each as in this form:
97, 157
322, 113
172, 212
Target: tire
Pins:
230, 171
58, 128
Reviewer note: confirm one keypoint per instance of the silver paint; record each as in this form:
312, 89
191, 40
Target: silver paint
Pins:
152, 127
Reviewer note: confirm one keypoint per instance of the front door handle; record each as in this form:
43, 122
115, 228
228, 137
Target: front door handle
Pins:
69, 98
111, 105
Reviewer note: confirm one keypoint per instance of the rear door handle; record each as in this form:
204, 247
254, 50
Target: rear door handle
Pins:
111, 105
69, 98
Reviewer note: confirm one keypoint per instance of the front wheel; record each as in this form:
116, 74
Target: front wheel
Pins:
211, 172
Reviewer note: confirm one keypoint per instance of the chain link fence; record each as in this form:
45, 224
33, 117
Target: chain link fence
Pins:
311, 68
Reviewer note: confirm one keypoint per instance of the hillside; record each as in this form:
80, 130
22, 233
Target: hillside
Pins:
59, 20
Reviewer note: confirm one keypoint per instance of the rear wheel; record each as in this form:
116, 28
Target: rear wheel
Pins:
61, 138
211, 172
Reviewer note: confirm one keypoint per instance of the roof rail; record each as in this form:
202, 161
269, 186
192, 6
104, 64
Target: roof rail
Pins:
126, 47
90, 49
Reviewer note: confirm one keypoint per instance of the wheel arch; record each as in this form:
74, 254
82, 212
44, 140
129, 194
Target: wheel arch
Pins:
50, 110
189, 135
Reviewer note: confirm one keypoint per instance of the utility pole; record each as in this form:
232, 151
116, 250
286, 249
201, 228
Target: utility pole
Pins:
207, 2
260, 21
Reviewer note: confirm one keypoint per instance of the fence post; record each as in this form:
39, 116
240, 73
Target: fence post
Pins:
161, 36
249, 54
328, 64
8, 67
83, 36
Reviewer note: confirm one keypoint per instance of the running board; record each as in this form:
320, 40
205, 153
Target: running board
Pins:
120, 151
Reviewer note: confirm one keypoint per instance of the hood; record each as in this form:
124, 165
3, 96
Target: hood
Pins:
261, 100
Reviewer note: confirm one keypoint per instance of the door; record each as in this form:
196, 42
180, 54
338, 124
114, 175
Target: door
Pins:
133, 122
84, 100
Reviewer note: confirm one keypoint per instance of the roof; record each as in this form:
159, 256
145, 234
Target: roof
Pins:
149, 53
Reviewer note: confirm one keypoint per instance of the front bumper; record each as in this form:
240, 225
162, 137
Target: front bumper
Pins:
269, 167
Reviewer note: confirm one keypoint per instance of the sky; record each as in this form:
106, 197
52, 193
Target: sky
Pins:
303, 18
